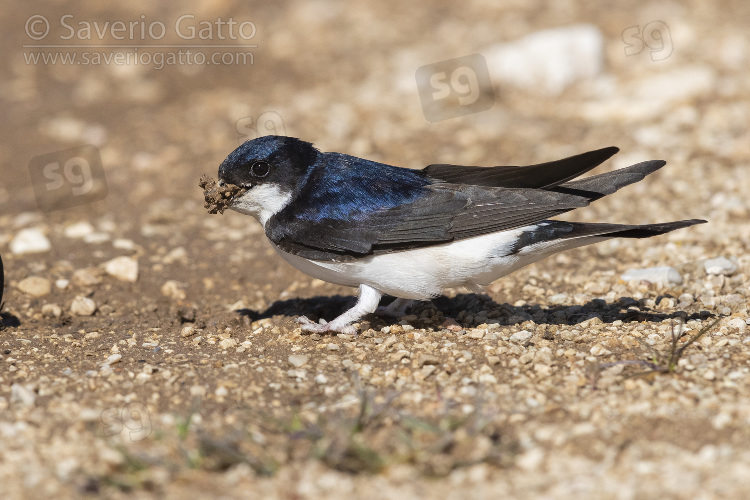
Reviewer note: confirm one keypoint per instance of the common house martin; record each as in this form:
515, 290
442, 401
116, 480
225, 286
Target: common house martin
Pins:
412, 233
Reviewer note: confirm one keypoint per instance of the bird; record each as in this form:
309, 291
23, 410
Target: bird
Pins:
413, 233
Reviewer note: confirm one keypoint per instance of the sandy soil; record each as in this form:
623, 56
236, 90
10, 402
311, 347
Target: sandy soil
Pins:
149, 349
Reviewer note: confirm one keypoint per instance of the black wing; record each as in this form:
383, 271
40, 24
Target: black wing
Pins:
541, 176
446, 212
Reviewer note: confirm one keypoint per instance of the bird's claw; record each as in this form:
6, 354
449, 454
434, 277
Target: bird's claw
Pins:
309, 325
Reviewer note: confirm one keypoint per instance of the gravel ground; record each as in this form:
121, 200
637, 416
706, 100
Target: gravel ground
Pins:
149, 349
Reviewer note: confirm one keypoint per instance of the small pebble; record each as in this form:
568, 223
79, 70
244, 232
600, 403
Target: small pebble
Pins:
123, 244
51, 310
428, 359
598, 350
451, 324
96, 238
173, 289
685, 299
298, 360
661, 275
29, 240
227, 343
112, 359
400, 354
521, 337
36, 286
720, 266
123, 268
78, 230
22, 395
82, 306
738, 325
559, 298
86, 277
548, 61
477, 333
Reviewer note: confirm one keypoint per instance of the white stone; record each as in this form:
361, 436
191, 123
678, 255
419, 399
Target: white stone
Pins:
297, 360
51, 310
720, 266
548, 61
22, 395
737, 324
559, 298
78, 230
124, 244
96, 238
521, 337
36, 286
227, 343
663, 275
86, 277
599, 350
173, 289
29, 240
83, 306
112, 359
178, 254
123, 268
477, 333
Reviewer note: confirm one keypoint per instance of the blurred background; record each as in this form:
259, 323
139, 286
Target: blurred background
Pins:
164, 93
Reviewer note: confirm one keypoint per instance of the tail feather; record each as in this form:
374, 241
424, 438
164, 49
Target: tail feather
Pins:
556, 236
542, 176
597, 186
647, 230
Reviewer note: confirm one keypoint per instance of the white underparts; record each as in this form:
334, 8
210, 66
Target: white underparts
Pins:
424, 273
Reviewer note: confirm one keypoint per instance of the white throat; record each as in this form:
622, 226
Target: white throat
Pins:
262, 202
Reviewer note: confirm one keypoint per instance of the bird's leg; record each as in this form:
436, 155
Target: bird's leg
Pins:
368, 301
395, 309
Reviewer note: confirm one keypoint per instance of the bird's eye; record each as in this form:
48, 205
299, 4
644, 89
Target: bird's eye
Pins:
260, 168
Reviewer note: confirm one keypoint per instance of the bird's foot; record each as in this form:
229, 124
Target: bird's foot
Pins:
311, 326
367, 303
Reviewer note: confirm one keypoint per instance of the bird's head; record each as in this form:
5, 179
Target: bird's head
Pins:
271, 159
271, 168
